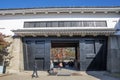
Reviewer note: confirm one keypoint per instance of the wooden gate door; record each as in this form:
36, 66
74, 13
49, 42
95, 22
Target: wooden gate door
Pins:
93, 54
34, 50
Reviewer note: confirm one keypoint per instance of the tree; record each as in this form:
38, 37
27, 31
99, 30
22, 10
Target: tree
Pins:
63, 53
3, 50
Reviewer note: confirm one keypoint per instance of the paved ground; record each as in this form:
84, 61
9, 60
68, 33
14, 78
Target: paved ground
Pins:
77, 75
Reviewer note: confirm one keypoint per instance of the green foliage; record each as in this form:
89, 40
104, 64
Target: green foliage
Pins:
1, 47
4, 54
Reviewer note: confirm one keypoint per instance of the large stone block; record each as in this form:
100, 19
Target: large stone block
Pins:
16, 61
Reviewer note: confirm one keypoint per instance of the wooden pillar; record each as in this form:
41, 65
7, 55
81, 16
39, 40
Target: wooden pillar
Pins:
47, 54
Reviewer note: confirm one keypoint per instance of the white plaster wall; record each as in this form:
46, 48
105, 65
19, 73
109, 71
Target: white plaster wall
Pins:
17, 21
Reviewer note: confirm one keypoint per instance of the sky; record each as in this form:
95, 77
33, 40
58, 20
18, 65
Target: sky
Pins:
56, 3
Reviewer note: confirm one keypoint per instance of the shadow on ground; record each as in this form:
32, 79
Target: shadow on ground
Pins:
103, 75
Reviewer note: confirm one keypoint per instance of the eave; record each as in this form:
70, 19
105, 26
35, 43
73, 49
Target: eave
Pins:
64, 32
69, 10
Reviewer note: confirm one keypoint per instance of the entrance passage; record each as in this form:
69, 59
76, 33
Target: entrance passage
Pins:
65, 53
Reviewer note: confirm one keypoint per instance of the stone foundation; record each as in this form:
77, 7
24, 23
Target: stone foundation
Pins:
17, 58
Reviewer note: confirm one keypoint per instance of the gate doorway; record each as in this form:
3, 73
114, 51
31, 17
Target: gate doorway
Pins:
66, 53
40, 63
85, 54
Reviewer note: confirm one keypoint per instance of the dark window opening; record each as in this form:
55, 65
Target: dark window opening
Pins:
65, 24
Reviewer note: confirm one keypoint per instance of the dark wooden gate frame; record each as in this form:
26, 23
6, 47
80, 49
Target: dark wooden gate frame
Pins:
49, 40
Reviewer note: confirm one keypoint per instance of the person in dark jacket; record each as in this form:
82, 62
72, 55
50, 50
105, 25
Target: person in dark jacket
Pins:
35, 74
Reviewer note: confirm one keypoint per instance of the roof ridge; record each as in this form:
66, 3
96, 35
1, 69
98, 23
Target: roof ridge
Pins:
61, 7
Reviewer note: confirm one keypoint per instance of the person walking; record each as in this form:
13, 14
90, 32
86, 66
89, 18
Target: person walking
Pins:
35, 74
51, 65
51, 70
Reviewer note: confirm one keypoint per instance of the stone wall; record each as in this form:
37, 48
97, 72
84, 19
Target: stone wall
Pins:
15, 49
113, 58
